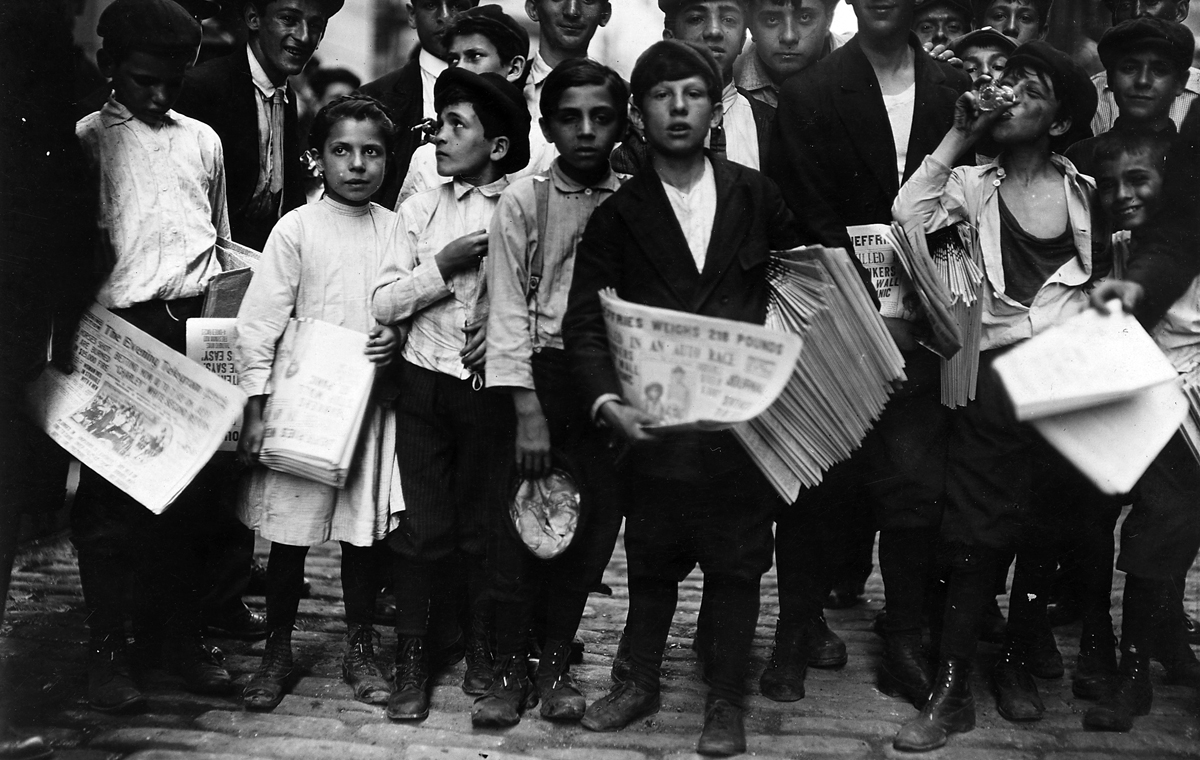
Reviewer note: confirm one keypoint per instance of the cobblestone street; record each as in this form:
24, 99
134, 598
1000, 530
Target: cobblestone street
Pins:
843, 716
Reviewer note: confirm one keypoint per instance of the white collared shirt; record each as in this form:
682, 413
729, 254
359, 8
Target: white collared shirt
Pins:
270, 153
696, 210
431, 68
162, 202
410, 284
741, 135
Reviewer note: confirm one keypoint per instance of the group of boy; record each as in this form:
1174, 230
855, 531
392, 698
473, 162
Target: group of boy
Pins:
469, 273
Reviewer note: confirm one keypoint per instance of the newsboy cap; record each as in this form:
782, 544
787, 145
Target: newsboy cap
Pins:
153, 26
1169, 37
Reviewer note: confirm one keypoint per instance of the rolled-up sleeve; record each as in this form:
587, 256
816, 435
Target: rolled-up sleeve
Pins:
509, 342
933, 194
406, 284
268, 305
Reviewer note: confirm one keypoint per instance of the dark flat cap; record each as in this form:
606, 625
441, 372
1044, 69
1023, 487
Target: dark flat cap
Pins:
329, 6
492, 22
985, 37
1072, 86
509, 103
155, 26
1169, 37
962, 6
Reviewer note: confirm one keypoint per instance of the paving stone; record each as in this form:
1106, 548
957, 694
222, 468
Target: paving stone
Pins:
819, 746
425, 752
166, 754
397, 734
85, 754
954, 751
286, 748
269, 724
592, 754
1133, 742
814, 725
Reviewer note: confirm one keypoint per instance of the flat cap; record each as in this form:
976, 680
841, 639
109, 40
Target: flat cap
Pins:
155, 26
509, 102
962, 6
491, 21
330, 7
1169, 37
985, 37
1072, 86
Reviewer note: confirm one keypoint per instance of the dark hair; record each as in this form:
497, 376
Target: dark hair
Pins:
1117, 143
322, 78
830, 5
670, 61
1041, 6
359, 108
508, 46
582, 72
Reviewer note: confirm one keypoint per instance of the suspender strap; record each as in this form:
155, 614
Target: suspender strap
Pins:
541, 192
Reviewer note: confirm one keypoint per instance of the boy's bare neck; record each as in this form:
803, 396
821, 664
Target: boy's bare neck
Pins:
1028, 163
277, 78
681, 172
584, 177
554, 56
894, 63
486, 176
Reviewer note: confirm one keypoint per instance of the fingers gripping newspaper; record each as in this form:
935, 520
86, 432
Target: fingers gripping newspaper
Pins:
692, 372
144, 417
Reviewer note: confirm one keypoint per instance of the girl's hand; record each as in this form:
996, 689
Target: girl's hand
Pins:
251, 439
382, 344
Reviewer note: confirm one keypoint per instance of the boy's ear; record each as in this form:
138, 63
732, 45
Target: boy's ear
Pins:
545, 126
1060, 127
499, 148
668, 34
606, 14
531, 10
1181, 10
106, 63
254, 21
516, 67
635, 118
718, 115
317, 158
412, 17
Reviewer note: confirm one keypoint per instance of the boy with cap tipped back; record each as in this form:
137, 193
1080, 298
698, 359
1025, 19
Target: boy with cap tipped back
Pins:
936, 22
484, 40
1034, 216
449, 427
161, 183
694, 497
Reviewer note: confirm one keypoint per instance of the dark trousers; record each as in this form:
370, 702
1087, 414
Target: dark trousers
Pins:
448, 449
1160, 537
724, 525
516, 574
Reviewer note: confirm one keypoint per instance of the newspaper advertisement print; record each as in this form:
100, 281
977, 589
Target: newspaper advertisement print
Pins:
142, 416
210, 344
692, 372
874, 247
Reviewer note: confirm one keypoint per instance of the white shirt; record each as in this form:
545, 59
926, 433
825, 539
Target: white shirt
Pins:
741, 135
271, 117
900, 114
431, 68
162, 202
696, 210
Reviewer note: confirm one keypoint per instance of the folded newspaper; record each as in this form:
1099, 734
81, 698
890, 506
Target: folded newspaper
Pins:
1100, 391
913, 250
210, 344
142, 416
692, 372
319, 391
844, 377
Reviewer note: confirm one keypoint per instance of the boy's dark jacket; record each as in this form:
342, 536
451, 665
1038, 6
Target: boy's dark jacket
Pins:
634, 243
221, 94
400, 91
832, 155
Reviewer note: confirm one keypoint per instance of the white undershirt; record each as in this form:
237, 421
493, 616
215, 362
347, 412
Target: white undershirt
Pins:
696, 210
741, 134
900, 114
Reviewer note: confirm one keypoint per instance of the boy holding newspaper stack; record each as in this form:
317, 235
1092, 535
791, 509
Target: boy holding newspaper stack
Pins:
1033, 212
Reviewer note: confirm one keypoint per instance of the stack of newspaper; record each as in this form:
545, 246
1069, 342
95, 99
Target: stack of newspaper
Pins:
320, 388
955, 254
844, 377
913, 250
1100, 390
226, 289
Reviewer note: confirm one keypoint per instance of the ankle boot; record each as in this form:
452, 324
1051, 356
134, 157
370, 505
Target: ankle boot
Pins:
906, 672
1132, 696
1096, 668
410, 697
783, 679
950, 710
1017, 697
509, 695
110, 683
1173, 652
359, 668
266, 688
1043, 658
477, 676
620, 665
825, 648
198, 664
724, 731
560, 695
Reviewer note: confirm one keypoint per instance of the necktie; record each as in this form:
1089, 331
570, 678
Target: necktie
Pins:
275, 107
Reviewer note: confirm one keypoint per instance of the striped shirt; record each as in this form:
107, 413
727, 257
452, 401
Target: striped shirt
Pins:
1107, 112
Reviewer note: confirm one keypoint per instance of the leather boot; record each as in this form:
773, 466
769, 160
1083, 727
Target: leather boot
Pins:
110, 683
509, 695
906, 671
266, 688
477, 676
410, 697
620, 665
14, 747
1173, 652
198, 664
783, 679
1017, 697
623, 705
359, 668
950, 710
1096, 668
560, 695
1132, 696
724, 731
825, 648
1043, 658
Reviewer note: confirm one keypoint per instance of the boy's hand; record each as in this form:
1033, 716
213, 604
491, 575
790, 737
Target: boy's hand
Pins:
943, 53
533, 435
969, 121
251, 439
382, 344
474, 352
627, 421
464, 253
1130, 294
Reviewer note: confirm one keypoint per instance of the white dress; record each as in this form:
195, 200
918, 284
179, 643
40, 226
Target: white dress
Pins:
320, 262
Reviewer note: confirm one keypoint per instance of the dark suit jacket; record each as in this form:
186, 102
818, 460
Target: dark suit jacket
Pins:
221, 94
400, 91
634, 243
832, 154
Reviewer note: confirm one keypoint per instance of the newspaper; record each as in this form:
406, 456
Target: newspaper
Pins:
210, 344
692, 372
945, 337
233, 255
320, 387
143, 417
876, 250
